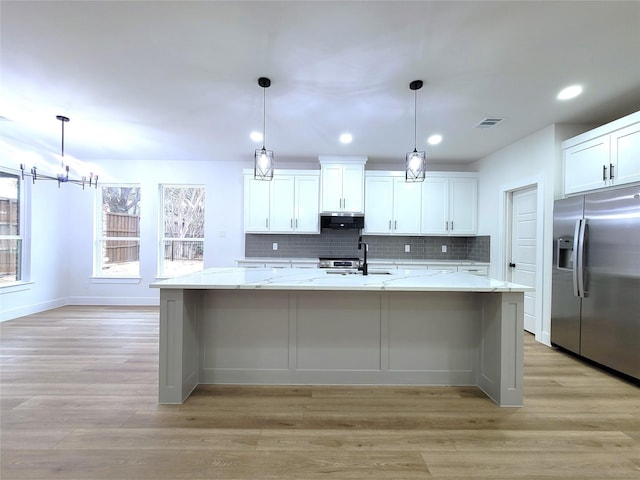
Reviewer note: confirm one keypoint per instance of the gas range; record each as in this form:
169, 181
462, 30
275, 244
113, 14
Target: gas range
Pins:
340, 264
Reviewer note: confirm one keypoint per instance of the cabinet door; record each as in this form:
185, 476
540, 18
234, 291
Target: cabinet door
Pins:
378, 205
407, 207
256, 205
625, 154
352, 188
463, 206
585, 164
307, 217
282, 209
331, 184
435, 206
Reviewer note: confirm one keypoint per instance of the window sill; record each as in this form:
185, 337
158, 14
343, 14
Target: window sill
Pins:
15, 287
115, 280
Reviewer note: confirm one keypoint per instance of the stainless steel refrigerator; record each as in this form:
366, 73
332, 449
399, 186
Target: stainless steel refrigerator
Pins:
595, 309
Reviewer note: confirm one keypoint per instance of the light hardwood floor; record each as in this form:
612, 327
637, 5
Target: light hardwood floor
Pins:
79, 401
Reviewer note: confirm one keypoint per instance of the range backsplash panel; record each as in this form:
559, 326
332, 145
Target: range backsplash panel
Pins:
344, 243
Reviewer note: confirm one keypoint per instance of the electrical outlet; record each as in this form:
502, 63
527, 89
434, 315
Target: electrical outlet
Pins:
444, 249
275, 246
407, 248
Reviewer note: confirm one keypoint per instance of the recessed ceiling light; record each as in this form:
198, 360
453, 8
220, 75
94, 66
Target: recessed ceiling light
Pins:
434, 139
256, 136
570, 92
346, 138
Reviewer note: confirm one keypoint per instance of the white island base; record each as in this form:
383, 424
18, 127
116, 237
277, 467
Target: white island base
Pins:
285, 332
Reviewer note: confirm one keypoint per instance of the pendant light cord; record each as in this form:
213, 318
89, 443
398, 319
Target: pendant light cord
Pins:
415, 120
62, 142
264, 117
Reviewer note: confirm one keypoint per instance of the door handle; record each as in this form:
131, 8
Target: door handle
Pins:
512, 265
580, 258
611, 171
604, 173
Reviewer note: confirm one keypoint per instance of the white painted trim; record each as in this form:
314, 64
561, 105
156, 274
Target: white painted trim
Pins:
124, 301
543, 294
31, 309
115, 280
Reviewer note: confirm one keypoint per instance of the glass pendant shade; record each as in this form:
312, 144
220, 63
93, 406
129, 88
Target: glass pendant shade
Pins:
263, 167
416, 166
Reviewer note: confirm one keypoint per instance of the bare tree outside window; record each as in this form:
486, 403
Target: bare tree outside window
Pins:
183, 230
118, 239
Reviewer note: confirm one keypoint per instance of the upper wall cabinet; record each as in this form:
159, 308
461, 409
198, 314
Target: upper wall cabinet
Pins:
342, 183
450, 204
606, 156
286, 204
392, 206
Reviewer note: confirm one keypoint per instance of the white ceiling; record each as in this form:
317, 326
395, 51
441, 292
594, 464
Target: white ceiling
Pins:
178, 79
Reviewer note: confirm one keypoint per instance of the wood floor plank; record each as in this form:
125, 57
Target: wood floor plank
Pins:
78, 400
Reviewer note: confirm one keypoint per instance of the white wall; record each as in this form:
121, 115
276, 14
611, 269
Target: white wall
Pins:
534, 160
50, 256
62, 234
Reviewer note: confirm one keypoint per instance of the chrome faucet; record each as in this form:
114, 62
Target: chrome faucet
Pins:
364, 267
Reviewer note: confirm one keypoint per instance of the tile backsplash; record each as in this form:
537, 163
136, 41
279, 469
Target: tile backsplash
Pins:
344, 243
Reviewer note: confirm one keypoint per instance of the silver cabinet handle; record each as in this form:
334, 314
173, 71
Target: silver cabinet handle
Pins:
446, 225
266, 222
395, 224
452, 225
611, 171
291, 223
389, 224
604, 173
296, 223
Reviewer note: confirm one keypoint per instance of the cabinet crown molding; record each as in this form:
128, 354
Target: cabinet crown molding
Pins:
345, 159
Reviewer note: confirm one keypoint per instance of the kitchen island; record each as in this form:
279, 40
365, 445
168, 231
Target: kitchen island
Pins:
312, 326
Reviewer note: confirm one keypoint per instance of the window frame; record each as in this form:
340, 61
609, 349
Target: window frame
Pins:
24, 232
161, 230
99, 238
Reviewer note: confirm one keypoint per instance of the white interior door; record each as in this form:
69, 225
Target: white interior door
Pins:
522, 263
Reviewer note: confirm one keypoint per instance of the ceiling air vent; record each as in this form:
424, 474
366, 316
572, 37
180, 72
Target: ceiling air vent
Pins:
489, 122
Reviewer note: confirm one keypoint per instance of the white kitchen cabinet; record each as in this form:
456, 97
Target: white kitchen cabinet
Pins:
392, 206
587, 165
625, 154
603, 157
286, 204
306, 204
256, 204
450, 204
281, 203
342, 184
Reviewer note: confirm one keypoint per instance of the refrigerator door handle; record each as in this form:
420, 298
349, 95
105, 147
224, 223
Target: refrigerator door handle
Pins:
579, 267
576, 247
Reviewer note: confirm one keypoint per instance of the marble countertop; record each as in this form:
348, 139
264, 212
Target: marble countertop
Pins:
321, 279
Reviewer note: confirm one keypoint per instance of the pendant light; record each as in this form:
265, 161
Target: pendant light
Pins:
263, 165
415, 162
63, 174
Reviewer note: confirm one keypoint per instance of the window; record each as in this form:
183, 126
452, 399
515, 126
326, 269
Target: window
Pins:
11, 231
117, 252
182, 235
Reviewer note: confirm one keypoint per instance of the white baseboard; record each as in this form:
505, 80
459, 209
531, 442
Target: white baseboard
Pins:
32, 309
115, 301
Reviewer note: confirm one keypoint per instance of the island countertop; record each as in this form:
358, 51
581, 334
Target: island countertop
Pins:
228, 278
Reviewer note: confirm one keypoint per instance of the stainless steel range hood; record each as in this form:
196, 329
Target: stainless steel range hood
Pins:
342, 221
